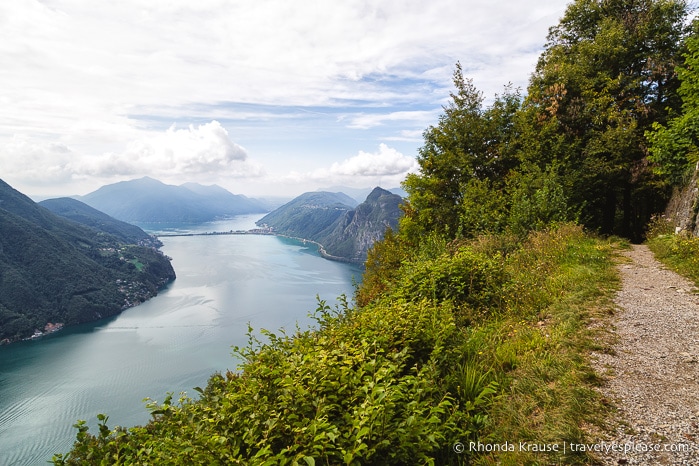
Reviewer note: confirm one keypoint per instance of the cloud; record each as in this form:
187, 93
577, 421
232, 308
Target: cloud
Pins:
189, 152
196, 153
37, 162
128, 56
385, 162
387, 167
92, 79
418, 118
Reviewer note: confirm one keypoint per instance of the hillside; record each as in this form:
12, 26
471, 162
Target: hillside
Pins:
309, 215
331, 219
357, 230
469, 339
149, 200
54, 270
82, 213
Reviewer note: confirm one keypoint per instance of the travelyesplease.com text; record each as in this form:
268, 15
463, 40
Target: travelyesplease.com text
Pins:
564, 447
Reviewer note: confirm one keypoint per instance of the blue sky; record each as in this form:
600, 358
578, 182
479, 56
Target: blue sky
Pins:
263, 97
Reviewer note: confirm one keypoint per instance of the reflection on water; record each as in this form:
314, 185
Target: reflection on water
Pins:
173, 342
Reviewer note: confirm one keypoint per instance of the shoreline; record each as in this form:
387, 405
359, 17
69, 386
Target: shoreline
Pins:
267, 232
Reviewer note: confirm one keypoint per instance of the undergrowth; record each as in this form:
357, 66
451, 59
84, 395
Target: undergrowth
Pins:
480, 342
680, 252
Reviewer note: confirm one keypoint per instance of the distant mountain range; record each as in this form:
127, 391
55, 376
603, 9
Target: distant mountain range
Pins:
151, 201
344, 229
69, 268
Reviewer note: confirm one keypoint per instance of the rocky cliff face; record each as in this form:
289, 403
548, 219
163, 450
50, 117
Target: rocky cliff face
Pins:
357, 230
683, 207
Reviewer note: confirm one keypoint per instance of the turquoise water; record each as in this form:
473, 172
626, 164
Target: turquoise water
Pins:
173, 342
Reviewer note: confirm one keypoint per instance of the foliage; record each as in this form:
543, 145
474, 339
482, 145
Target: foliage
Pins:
469, 145
606, 76
538, 200
678, 251
674, 147
403, 378
381, 268
472, 320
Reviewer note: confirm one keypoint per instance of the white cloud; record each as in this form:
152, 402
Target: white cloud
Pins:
92, 78
129, 56
416, 118
385, 162
202, 152
37, 162
189, 152
385, 167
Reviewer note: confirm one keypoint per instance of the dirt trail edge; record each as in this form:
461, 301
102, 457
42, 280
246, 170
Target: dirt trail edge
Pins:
652, 375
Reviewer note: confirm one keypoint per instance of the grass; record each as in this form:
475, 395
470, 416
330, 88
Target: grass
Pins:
138, 264
560, 283
679, 252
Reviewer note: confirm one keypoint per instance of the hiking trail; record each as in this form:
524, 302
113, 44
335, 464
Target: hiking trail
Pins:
652, 373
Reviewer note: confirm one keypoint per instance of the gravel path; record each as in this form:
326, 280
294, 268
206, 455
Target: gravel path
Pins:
653, 373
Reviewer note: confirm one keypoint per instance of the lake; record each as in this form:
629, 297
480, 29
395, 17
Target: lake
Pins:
170, 343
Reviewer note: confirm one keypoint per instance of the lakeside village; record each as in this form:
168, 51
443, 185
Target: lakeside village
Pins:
48, 329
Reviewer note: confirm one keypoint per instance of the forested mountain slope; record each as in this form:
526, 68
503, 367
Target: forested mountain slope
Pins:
54, 270
79, 212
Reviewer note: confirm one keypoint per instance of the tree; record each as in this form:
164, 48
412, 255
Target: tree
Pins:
606, 75
468, 144
675, 146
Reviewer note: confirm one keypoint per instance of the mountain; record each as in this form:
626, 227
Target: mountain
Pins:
82, 213
55, 270
149, 200
359, 194
310, 215
345, 232
356, 231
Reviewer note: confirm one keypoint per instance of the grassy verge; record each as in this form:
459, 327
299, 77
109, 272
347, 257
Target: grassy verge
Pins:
561, 283
678, 252
481, 343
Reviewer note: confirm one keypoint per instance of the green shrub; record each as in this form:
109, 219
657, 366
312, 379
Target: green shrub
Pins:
465, 278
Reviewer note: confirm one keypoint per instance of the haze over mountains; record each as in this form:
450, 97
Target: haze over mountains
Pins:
150, 201
345, 228
82, 213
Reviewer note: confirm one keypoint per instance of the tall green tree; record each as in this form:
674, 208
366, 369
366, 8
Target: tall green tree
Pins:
606, 75
469, 150
675, 146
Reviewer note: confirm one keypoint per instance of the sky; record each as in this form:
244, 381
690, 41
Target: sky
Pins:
262, 97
